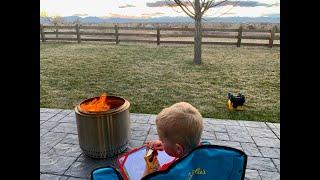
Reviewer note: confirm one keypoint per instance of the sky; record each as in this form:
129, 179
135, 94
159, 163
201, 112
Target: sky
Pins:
152, 8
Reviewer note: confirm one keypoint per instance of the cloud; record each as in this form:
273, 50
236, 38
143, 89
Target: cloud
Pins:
244, 4
80, 14
164, 3
275, 4
233, 3
142, 16
126, 6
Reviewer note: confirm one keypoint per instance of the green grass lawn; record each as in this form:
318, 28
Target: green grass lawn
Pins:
152, 77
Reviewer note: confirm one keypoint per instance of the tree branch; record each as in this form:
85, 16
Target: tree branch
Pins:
171, 5
191, 4
185, 9
203, 3
219, 3
206, 7
238, 2
211, 4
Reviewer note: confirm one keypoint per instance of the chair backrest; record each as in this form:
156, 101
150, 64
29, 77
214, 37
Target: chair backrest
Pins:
106, 173
206, 162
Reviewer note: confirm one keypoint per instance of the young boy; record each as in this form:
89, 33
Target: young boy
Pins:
179, 128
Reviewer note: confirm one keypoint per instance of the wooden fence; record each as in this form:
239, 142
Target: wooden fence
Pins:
83, 30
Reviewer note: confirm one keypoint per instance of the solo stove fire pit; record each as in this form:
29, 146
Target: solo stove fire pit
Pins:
103, 132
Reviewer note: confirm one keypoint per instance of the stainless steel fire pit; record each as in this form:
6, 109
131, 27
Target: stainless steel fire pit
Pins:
104, 134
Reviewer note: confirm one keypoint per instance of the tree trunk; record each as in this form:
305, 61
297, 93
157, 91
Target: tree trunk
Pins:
197, 42
198, 34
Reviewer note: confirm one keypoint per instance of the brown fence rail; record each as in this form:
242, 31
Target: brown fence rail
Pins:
113, 34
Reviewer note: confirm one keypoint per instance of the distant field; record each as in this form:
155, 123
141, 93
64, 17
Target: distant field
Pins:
152, 77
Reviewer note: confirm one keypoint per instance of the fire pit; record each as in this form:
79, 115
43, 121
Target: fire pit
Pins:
103, 125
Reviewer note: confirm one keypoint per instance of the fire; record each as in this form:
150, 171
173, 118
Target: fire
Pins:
96, 105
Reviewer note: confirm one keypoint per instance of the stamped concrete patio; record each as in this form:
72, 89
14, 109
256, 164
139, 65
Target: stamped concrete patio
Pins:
61, 157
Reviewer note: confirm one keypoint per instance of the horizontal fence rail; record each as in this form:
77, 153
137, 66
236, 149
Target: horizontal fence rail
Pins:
161, 35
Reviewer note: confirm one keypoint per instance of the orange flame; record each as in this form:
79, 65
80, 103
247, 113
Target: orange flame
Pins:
96, 105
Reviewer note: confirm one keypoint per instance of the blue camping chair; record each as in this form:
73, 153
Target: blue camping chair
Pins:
204, 162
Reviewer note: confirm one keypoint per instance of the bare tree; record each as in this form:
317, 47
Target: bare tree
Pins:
56, 20
196, 10
78, 18
44, 15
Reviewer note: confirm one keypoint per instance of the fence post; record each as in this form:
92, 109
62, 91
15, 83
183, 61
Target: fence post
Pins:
78, 33
117, 34
158, 35
55, 24
271, 37
43, 38
239, 36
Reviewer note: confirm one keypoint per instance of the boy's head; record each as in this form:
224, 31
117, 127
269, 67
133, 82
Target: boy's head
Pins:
179, 128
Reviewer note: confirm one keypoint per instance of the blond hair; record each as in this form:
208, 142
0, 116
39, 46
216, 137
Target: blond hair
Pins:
181, 123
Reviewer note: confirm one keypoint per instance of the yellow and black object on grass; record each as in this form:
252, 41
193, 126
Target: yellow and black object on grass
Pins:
236, 102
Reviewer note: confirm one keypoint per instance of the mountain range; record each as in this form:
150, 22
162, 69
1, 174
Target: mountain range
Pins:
165, 19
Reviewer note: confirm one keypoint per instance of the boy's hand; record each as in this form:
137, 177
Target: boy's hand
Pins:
155, 145
145, 172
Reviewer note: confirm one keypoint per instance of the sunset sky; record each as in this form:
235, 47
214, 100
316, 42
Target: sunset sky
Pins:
152, 8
